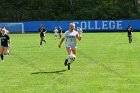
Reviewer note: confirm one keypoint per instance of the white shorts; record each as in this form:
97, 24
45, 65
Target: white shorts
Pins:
71, 47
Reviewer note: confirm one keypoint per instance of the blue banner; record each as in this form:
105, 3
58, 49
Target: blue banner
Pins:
86, 25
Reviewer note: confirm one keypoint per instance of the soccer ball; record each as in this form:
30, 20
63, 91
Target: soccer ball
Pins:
72, 57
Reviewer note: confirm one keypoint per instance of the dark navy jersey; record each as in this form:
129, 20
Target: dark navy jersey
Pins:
0, 34
4, 40
129, 31
42, 31
59, 30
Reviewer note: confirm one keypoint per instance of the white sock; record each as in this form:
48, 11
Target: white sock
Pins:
7, 52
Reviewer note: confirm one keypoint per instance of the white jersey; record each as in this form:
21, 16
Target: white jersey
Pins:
55, 32
70, 38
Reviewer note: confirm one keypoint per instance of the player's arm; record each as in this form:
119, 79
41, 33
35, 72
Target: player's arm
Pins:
80, 31
131, 29
9, 42
78, 37
45, 31
61, 42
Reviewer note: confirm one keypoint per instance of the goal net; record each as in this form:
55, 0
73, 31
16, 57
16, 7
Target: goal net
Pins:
13, 27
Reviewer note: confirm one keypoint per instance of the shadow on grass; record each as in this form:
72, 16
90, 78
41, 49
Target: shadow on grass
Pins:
53, 72
122, 44
30, 46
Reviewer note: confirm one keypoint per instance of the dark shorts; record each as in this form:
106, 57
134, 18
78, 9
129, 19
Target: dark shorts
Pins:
42, 36
5, 45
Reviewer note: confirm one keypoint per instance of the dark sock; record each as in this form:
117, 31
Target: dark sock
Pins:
40, 43
2, 57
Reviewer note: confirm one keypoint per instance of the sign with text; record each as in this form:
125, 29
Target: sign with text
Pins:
86, 25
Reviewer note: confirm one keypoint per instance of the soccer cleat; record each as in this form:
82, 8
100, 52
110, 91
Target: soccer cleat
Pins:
66, 62
68, 66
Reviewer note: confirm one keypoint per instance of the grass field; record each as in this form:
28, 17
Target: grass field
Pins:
105, 63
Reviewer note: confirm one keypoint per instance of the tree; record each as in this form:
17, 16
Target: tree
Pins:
28, 10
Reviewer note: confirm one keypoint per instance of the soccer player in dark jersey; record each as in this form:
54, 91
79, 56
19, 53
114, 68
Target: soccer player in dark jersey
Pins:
60, 32
42, 31
129, 31
5, 43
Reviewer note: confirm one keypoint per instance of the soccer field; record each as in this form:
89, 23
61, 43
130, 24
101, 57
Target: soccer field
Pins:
105, 63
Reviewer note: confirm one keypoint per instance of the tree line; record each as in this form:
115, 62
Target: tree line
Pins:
37, 10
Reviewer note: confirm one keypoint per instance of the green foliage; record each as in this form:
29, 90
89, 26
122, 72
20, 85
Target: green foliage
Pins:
27, 10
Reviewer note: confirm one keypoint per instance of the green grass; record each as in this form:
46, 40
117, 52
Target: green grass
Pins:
105, 63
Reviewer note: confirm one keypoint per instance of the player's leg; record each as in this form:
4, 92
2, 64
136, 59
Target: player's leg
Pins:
43, 39
67, 58
69, 53
40, 41
1, 52
55, 36
73, 49
74, 52
131, 39
60, 35
5, 50
69, 50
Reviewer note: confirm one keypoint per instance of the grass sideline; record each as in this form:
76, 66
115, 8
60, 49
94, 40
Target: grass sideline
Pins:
105, 63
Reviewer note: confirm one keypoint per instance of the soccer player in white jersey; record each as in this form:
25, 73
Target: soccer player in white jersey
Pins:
70, 36
55, 33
